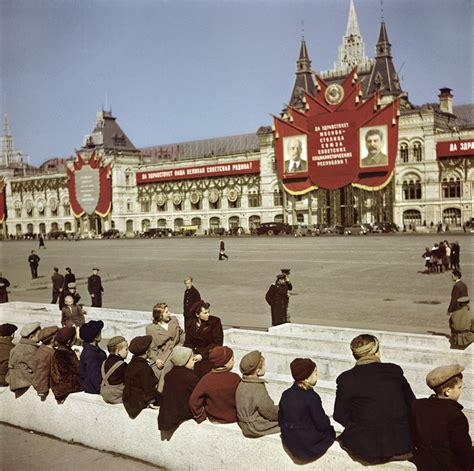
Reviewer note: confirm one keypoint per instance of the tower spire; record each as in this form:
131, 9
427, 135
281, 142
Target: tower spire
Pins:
304, 77
352, 24
7, 143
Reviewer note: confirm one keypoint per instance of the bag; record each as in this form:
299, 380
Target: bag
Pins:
111, 393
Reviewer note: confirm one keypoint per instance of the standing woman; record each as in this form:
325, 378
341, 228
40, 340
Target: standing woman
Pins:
166, 334
203, 333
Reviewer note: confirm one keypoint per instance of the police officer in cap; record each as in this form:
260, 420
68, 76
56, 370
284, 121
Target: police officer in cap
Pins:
94, 286
277, 299
286, 272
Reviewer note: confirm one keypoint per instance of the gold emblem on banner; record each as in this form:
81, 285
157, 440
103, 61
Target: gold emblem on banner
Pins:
232, 195
334, 94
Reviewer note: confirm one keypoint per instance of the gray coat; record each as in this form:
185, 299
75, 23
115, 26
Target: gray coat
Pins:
461, 323
20, 364
257, 415
162, 346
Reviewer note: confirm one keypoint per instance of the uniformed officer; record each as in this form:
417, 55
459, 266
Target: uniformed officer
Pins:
277, 298
94, 286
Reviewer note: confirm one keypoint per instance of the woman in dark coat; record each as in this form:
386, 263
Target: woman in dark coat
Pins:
305, 428
203, 333
373, 403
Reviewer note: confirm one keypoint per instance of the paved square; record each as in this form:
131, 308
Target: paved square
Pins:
372, 281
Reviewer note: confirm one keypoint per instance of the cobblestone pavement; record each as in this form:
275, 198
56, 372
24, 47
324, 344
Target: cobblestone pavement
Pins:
372, 281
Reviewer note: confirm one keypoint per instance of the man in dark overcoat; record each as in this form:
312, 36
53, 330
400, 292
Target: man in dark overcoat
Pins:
94, 286
33, 260
373, 403
277, 299
459, 290
58, 283
69, 277
191, 296
69, 291
4, 284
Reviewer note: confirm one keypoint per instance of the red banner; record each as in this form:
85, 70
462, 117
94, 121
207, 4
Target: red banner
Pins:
90, 187
454, 148
337, 140
2, 200
203, 171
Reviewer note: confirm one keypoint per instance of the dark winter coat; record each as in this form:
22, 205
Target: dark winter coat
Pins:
118, 376
20, 365
214, 397
42, 369
202, 339
373, 403
76, 296
65, 373
459, 290
140, 386
461, 323
4, 284
441, 436
69, 278
34, 260
94, 286
92, 358
179, 384
5, 348
305, 427
58, 281
191, 296
277, 299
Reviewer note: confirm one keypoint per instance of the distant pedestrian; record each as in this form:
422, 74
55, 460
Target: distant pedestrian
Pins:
455, 255
277, 299
4, 284
222, 254
94, 286
34, 260
191, 296
69, 277
41, 242
459, 290
58, 284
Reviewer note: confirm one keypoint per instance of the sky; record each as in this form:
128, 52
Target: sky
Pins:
180, 70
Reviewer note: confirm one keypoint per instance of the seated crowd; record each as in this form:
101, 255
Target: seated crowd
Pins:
188, 375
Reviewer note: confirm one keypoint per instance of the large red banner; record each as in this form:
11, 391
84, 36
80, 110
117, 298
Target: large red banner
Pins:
454, 148
90, 186
203, 171
337, 140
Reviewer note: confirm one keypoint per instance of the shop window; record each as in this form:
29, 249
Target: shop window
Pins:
129, 225
67, 226
452, 216
254, 222
178, 223
196, 222
161, 222
412, 217
145, 225
278, 218
300, 218
451, 188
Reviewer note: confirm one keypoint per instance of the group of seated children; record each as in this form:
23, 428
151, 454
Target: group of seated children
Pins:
374, 402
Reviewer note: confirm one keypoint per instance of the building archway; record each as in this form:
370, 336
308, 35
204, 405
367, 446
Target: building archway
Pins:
129, 226
161, 222
145, 225
254, 222
278, 218
412, 217
178, 223
452, 216
196, 222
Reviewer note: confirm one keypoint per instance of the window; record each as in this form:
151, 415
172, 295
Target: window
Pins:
404, 153
145, 206
18, 229
178, 223
417, 152
54, 226
235, 204
129, 206
161, 222
214, 223
234, 222
17, 213
254, 199
42, 228
67, 209
278, 218
196, 222
67, 226
145, 225
277, 197
129, 226
452, 216
300, 218
30, 228
451, 188
411, 189
412, 217
128, 177
254, 222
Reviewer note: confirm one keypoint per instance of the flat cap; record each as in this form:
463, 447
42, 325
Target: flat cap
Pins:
71, 284
28, 329
47, 333
302, 368
219, 356
90, 330
7, 329
463, 299
250, 362
180, 355
440, 375
96, 269
285, 271
65, 334
114, 341
139, 345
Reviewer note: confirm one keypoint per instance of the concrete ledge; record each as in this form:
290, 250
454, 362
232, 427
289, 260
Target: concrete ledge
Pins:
86, 419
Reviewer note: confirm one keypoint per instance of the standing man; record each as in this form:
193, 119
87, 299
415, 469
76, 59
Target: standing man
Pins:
222, 254
41, 242
461, 324
34, 260
94, 285
58, 283
69, 277
191, 296
4, 284
459, 290
277, 298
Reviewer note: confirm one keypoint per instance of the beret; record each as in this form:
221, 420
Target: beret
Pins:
219, 356
88, 332
71, 284
114, 341
463, 299
139, 345
28, 329
180, 355
442, 374
65, 334
301, 368
249, 362
7, 329
47, 333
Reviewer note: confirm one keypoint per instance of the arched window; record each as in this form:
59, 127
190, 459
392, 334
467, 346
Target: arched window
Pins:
451, 187
129, 226
411, 188
67, 226
196, 222
234, 222
300, 218
18, 229
42, 228
254, 222
214, 223
417, 152
452, 216
404, 152
412, 217
278, 218
54, 226
178, 222
30, 228
161, 222
145, 225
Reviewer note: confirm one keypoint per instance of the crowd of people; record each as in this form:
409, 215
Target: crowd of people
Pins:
443, 256
187, 375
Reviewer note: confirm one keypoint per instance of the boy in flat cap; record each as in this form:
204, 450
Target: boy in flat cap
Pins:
92, 356
65, 367
180, 383
373, 403
7, 333
113, 370
20, 364
257, 414
440, 429
72, 315
305, 428
140, 381
43, 361
277, 298
214, 395
461, 323
94, 286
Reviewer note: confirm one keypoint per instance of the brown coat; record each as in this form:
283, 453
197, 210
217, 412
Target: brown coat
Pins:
459, 290
461, 323
65, 373
72, 316
42, 369
6, 346
257, 415
162, 346
20, 365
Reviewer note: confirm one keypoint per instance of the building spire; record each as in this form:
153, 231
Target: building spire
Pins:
383, 47
304, 77
7, 143
352, 24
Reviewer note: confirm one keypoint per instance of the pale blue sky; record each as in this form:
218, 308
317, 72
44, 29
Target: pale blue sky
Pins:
179, 70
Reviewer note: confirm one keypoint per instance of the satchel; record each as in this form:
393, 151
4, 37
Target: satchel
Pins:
111, 393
